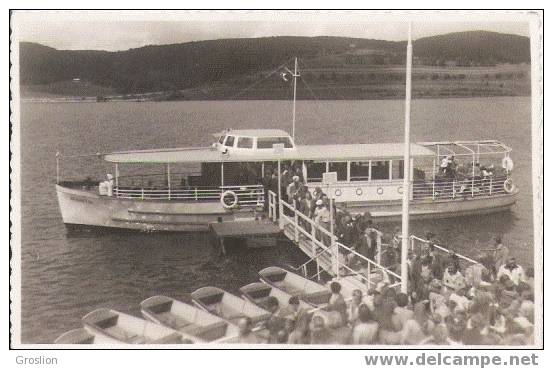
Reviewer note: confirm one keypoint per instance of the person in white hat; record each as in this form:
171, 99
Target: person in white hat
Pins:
322, 216
444, 163
293, 188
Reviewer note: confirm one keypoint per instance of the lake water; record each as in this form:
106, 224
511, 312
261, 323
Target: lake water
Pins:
65, 276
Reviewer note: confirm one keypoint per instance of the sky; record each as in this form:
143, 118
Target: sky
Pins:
97, 30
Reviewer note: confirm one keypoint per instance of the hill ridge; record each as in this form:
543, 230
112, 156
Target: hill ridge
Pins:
197, 64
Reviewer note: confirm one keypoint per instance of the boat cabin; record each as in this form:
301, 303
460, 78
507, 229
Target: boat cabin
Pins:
246, 164
253, 141
255, 161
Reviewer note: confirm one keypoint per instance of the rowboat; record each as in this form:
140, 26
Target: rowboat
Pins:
228, 306
259, 292
188, 319
295, 285
124, 328
82, 336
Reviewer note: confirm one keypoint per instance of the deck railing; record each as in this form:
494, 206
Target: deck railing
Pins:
438, 189
459, 188
253, 195
323, 249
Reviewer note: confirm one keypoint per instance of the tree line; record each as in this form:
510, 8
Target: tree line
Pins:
203, 63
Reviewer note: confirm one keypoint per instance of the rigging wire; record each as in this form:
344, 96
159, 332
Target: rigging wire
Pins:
341, 97
279, 68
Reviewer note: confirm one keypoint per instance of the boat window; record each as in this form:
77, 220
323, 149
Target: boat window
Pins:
359, 171
397, 169
380, 170
268, 142
245, 142
341, 169
315, 171
230, 141
222, 139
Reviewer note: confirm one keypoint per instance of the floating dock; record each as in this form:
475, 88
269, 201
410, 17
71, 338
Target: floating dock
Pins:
254, 233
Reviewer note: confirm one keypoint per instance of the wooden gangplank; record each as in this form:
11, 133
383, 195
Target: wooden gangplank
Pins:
362, 274
349, 283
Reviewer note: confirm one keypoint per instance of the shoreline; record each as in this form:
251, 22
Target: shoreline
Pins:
375, 98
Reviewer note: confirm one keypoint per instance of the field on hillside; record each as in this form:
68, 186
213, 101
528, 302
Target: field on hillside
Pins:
326, 82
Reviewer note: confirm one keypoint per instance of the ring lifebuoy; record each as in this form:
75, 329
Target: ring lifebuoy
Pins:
380, 190
508, 185
359, 191
400, 190
507, 163
234, 199
338, 192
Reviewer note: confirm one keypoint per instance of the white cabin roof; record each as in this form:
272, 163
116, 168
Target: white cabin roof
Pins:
358, 152
254, 133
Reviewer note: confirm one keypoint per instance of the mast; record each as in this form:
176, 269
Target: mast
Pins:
296, 75
406, 168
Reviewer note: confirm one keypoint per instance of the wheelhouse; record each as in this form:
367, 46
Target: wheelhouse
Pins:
253, 140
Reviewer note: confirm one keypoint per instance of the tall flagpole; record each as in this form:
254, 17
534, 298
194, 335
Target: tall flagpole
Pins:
406, 168
294, 108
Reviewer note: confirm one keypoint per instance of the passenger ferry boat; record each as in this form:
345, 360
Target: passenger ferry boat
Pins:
225, 182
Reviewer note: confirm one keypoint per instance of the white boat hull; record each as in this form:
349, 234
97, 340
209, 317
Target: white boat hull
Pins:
433, 209
86, 208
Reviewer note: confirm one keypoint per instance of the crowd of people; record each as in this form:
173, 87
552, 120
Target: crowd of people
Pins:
443, 307
315, 206
449, 301
451, 169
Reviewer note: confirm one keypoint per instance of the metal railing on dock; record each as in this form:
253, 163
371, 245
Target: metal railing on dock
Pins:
335, 258
417, 243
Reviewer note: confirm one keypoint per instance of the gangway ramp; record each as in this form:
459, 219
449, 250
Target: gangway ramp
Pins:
339, 261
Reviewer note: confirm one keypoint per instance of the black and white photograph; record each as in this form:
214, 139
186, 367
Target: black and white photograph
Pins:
276, 179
